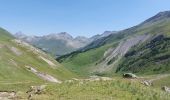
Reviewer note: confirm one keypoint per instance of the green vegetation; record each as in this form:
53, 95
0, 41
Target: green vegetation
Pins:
118, 89
148, 58
162, 82
83, 62
14, 57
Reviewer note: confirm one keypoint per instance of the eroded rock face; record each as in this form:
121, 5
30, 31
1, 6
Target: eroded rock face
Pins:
124, 46
113, 55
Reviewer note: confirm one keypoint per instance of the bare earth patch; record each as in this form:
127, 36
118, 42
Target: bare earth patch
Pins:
47, 61
43, 75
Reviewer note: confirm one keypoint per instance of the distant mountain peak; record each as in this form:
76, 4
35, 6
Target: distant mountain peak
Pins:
61, 35
164, 13
159, 16
64, 34
20, 34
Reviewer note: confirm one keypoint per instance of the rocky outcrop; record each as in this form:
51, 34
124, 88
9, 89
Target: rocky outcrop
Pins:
7, 95
35, 90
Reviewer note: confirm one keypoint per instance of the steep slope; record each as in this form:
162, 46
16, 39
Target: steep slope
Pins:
150, 57
111, 56
21, 62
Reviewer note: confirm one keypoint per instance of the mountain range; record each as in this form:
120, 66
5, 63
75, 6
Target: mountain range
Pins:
141, 49
58, 44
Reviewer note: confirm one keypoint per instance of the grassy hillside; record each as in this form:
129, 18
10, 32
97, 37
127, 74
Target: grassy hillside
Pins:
15, 56
83, 62
5, 35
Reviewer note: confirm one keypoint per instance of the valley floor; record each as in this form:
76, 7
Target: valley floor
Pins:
91, 89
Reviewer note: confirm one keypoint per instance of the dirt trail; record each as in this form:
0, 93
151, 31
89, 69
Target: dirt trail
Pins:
159, 77
10, 83
149, 82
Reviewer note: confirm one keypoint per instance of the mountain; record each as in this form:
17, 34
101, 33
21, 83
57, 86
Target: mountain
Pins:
56, 44
59, 44
135, 49
22, 63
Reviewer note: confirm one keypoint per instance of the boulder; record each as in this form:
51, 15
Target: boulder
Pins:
129, 75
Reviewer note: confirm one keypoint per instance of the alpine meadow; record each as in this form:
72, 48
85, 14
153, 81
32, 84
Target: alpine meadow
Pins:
52, 50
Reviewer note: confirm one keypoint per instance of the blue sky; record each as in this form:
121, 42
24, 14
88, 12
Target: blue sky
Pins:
77, 17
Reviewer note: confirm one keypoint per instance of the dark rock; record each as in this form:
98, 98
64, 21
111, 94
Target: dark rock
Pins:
129, 75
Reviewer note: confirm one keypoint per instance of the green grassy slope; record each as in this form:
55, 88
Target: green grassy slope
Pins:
14, 57
83, 63
5, 35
